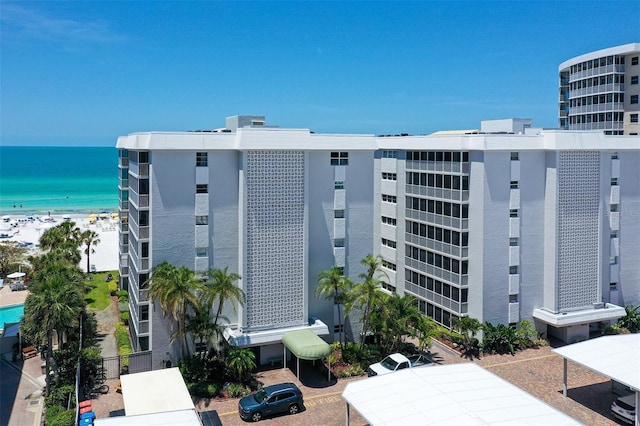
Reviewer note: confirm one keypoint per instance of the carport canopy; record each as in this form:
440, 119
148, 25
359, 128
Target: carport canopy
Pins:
305, 344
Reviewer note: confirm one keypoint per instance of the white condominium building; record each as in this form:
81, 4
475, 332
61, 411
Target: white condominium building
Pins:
600, 90
505, 224
276, 206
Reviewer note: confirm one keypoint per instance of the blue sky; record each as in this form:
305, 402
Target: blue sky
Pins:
83, 73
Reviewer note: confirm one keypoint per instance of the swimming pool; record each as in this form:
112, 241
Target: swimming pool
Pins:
11, 314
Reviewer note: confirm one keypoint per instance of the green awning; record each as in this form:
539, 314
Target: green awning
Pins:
305, 344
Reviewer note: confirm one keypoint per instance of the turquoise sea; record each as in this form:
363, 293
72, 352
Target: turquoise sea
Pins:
38, 180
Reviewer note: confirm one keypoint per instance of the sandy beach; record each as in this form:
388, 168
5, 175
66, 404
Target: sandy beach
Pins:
105, 255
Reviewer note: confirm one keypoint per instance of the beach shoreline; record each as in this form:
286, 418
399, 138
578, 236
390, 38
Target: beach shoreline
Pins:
27, 229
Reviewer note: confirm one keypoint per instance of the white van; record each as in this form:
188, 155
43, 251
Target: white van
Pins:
624, 408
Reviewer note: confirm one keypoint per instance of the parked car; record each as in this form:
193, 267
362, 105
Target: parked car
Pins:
624, 408
397, 361
270, 400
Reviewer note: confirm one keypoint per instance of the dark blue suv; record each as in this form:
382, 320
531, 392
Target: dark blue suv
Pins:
270, 400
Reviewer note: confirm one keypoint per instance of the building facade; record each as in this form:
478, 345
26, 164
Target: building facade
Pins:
600, 91
511, 224
276, 206
502, 227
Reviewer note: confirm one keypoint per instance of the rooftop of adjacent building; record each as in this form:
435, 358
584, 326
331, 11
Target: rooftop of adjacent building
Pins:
625, 49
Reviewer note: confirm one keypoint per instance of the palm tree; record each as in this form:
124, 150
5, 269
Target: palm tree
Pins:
220, 288
176, 289
54, 305
631, 320
365, 294
200, 326
332, 285
63, 238
467, 327
241, 361
89, 238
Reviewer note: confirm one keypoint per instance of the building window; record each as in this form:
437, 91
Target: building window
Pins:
513, 242
389, 198
202, 251
339, 158
614, 155
202, 188
514, 184
613, 260
144, 250
143, 157
144, 313
339, 184
633, 118
389, 176
202, 159
389, 221
515, 156
614, 181
613, 286
143, 187
634, 60
613, 208
338, 242
513, 298
634, 79
143, 218
388, 265
388, 243
338, 214
634, 99
341, 270
389, 154
513, 270
202, 220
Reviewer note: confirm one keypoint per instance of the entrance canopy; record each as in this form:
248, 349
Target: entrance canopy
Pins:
305, 344
617, 357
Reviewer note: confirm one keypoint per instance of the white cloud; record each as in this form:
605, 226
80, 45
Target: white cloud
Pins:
19, 23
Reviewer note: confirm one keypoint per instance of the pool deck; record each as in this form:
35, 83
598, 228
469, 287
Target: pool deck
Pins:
9, 298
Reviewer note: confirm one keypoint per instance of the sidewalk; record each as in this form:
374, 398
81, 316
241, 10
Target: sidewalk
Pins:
21, 402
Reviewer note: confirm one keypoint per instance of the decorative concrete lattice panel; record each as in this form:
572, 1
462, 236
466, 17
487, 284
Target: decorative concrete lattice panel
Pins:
274, 233
578, 229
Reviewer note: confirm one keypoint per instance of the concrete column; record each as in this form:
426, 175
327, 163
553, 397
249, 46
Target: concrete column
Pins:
564, 379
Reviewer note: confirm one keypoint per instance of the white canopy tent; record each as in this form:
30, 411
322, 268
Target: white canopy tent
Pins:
457, 394
617, 357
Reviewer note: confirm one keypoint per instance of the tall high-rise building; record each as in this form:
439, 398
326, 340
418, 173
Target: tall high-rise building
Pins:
502, 224
600, 91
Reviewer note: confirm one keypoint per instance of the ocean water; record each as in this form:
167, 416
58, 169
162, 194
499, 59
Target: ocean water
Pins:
38, 180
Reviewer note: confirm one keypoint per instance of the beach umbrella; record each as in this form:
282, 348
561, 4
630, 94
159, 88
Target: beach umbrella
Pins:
6, 218
115, 215
16, 275
103, 215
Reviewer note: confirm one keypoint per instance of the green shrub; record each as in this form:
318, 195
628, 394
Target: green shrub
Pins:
123, 296
66, 418
112, 286
124, 317
203, 389
53, 411
237, 390
59, 396
122, 338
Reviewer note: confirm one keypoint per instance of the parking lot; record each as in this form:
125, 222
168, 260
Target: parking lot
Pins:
537, 371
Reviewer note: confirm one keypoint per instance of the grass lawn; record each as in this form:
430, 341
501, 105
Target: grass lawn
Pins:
99, 297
